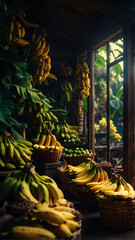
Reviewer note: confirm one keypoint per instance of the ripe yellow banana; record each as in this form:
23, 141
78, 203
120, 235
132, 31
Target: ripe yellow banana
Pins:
73, 225
53, 140
42, 139
50, 215
26, 232
48, 140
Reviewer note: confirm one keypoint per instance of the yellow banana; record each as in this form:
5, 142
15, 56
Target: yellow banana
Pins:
50, 215
97, 175
26, 232
42, 139
73, 225
53, 140
22, 31
54, 191
11, 27
48, 140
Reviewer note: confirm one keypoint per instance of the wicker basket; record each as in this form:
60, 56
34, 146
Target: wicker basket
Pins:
48, 156
76, 160
66, 186
86, 197
117, 214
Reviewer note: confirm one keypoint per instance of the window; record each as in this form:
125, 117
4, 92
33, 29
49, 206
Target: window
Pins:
108, 79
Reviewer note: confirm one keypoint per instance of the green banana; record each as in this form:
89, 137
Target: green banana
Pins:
53, 117
2, 164
6, 186
27, 143
10, 166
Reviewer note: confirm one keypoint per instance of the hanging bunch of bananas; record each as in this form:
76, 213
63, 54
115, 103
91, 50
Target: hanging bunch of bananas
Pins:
66, 133
17, 33
14, 153
67, 89
40, 119
48, 142
114, 188
40, 60
87, 172
82, 80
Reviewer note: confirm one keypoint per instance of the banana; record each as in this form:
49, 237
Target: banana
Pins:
42, 139
43, 192
2, 164
48, 140
53, 140
2, 149
25, 190
10, 166
10, 150
20, 42
62, 231
24, 156
105, 175
26, 232
97, 175
73, 225
102, 183
101, 175
103, 189
22, 31
68, 215
17, 154
129, 188
27, 143
11, 27
6, 187
53, 117
34, 189
54, 191
50, 215
85, 180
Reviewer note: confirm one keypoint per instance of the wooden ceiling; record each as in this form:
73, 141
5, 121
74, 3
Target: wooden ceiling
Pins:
70, 25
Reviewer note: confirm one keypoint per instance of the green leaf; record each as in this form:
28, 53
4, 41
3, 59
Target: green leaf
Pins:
100, 61
85, 105
6, 104
120, 92
34, 96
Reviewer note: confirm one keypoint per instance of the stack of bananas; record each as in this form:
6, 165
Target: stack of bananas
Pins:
40, 60
14, 153
67, 89
48, 222
114, 188
51, 217
39, 119
48, 142
86, 172
17, 33
82, 79
66, 133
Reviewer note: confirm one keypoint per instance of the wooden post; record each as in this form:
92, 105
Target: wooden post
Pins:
129, 103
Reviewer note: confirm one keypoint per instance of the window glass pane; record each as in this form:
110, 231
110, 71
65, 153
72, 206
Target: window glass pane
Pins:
100, 103
116, 50
116, 112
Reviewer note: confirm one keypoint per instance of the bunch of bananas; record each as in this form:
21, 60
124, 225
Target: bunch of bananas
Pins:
14, 153
67, 89
82, 79
87, 172
17, 33
66, 133
48, 142
40, 60
27, 184
48, 222
51, 216
40, 120
115, 188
